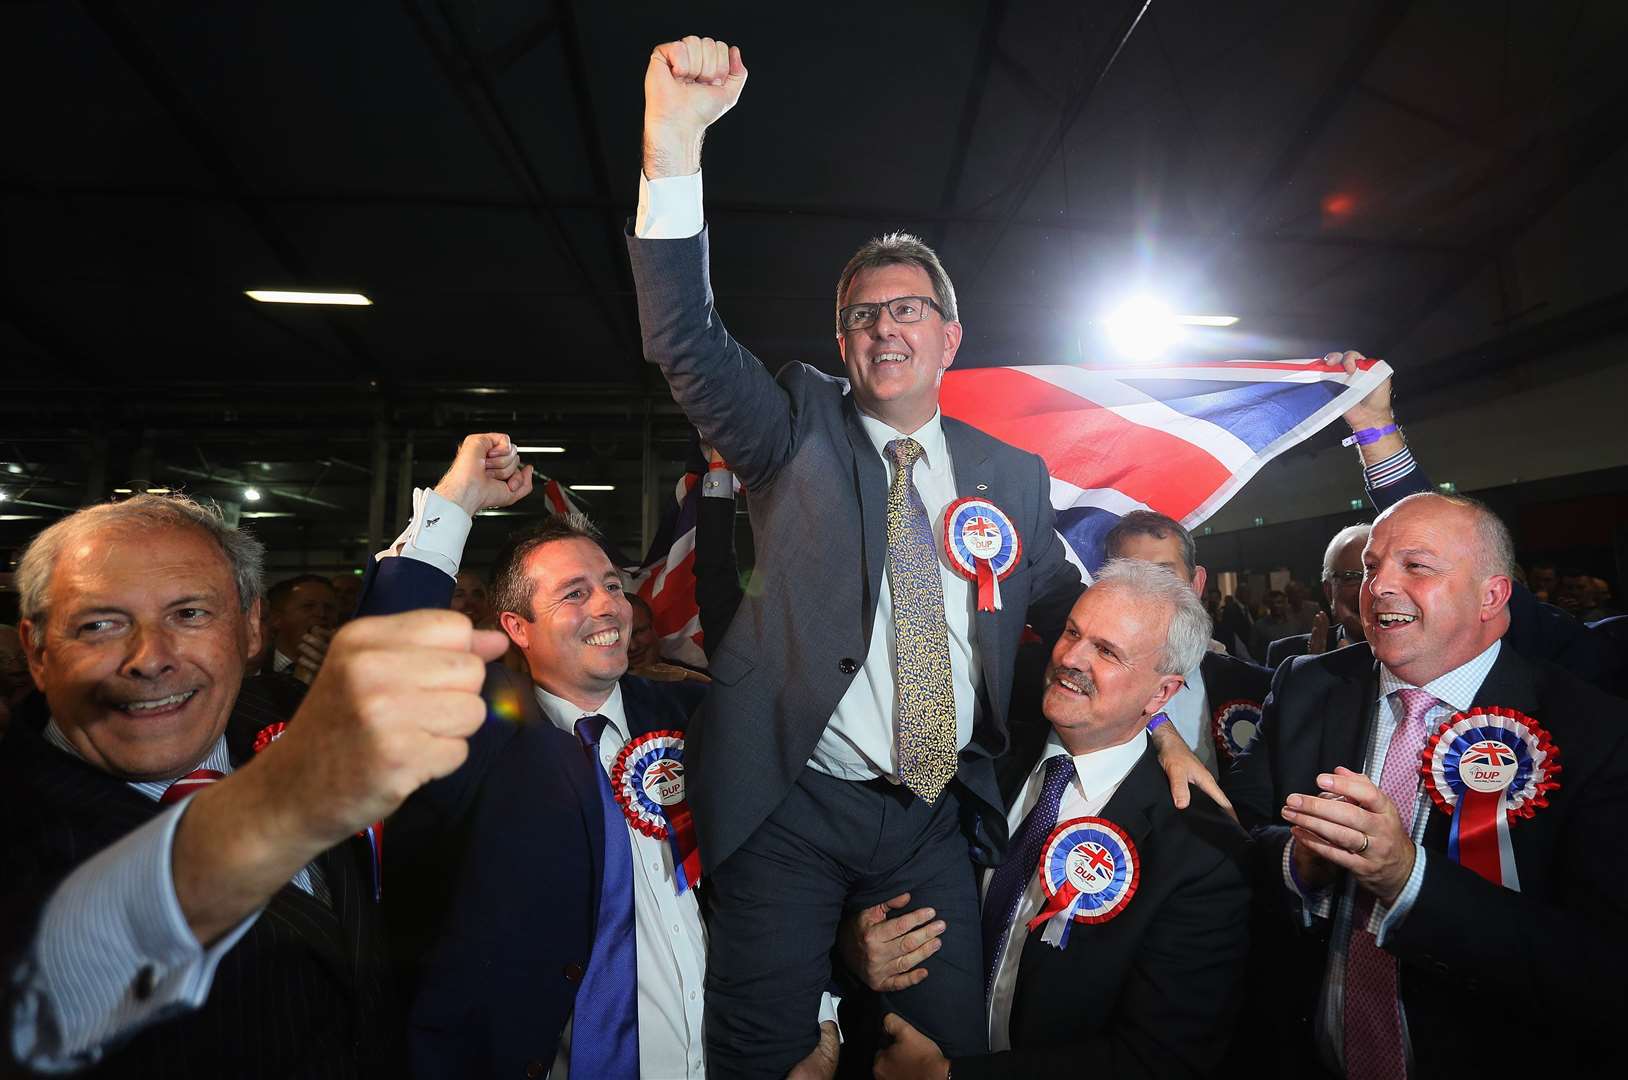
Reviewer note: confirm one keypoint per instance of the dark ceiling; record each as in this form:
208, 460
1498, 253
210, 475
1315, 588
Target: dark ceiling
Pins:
1332, 173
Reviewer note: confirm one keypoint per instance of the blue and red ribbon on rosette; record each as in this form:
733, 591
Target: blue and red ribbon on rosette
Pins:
647, 780
982, 545
1485, 768
1089, 869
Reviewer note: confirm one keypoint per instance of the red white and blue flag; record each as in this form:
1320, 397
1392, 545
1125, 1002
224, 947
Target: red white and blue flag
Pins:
666, 578
1180, 439
558, 501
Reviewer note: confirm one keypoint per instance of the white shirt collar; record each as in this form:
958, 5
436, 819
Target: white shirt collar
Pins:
564, 714
930, 435
1456, 688
219, 759
1100, 770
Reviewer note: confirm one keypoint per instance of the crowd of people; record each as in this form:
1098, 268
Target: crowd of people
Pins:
924, 814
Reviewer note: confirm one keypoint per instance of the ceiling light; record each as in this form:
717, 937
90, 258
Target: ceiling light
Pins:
1142, 328
3, 496
251, 494
258, 514
541, 449
1206, 320
14, 469
593, 487
21, 517
282, 296
123, 491
158, 491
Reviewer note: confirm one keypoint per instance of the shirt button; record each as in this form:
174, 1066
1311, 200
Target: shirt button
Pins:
655, 868
692, 995
146, 983
847, 665
675, 928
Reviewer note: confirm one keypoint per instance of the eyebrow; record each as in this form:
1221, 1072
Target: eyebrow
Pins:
115, 609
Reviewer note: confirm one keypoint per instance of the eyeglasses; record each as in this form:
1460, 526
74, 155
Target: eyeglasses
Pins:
904, 309
1345, 577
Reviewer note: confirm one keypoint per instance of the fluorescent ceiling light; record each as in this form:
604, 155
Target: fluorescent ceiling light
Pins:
1206, 320
21, 517
123, 491
266, 514
593, 487
4, 496
251, 494
14, 469
158, 491
284, 296
541, 449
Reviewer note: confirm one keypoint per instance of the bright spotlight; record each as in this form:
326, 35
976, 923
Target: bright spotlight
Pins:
251, 494
1142, 328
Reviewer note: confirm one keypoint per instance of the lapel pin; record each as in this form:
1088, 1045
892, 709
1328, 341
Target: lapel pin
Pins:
983, 487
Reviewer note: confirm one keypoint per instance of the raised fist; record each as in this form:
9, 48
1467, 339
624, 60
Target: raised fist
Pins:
486, 474
391, 709
687, 86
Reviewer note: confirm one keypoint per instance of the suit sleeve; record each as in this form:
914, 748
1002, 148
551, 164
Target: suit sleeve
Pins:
724, 390
717, 571
1571, 956
1175, 1013
1057, 581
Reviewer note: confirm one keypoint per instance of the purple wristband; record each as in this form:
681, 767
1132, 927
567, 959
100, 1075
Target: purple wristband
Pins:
1368, 435
1158, 718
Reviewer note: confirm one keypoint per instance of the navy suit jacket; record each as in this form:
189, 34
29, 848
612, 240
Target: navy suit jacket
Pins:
494, 871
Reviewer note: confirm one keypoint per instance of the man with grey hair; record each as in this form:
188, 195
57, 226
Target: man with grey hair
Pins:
1112, 930
866, 683
168, 908
1408, 808
1342, 580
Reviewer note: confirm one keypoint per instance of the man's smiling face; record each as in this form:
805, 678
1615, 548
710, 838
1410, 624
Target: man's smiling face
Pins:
894, 368
143, 650
576, 639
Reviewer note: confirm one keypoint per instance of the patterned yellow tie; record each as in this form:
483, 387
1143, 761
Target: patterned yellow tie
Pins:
926, 709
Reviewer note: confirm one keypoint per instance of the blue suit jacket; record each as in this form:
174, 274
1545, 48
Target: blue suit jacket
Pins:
494, 872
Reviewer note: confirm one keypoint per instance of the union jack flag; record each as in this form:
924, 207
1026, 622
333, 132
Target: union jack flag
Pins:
1492, 752
1180, 439
558, 501
666, 578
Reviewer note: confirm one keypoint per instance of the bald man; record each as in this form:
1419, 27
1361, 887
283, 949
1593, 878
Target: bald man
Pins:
1380, 794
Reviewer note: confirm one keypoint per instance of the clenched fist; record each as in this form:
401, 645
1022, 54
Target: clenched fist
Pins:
391, 709
486, 474
688, 85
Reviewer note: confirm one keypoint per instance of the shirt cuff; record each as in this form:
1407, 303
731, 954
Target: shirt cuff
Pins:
719, 484
829, 1004
113, 953
1314, 903
1385, 473
1391, 919
670, 208
436, 535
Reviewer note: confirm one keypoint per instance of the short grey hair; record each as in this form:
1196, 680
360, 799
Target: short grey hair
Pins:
243, 553
512, 588
1189, 632
1493, 541
900, 249
1341, 538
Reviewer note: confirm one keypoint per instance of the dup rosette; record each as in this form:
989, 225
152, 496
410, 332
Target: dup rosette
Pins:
1486, 768
1089, 869
1235, 726
647, 779
982, 545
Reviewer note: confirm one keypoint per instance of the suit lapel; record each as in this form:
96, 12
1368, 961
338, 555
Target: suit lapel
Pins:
975, 478
1351, 710
871, 482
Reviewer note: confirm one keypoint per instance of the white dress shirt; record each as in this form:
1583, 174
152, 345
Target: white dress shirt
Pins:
668, 935
1189, 710
1097, 776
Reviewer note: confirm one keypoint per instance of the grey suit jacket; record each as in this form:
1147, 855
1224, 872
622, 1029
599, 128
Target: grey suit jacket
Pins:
818, 493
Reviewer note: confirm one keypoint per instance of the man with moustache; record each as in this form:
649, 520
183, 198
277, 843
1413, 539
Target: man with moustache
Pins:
1148, 979
183, 893
551, 916
1442, 820
860, 697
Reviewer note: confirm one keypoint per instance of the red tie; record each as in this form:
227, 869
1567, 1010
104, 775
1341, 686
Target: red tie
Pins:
190, 784
1373, 1016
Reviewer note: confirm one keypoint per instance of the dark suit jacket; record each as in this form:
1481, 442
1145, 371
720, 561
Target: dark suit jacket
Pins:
304, 993
1153, 991
1468, 945
1229, 681
494, 871
818, 506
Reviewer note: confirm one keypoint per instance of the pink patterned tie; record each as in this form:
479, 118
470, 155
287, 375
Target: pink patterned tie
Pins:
1373, 1010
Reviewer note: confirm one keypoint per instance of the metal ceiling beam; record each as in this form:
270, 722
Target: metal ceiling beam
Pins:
1587, 147
1314, 125
485, 108
988, 42
149, 70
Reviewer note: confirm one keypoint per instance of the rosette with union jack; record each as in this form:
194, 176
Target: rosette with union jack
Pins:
1089, 871
647, 779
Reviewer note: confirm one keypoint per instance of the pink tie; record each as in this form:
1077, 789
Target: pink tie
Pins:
1373, 1011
